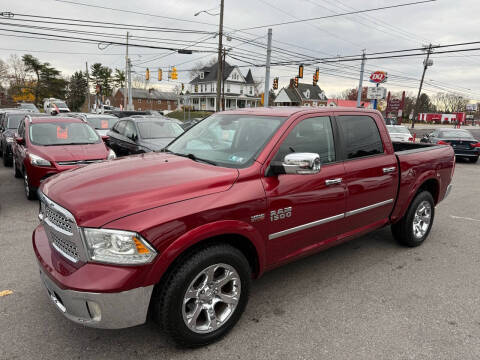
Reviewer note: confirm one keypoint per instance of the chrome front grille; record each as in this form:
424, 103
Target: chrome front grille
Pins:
61, 229
57, 218
65, 246
79, 162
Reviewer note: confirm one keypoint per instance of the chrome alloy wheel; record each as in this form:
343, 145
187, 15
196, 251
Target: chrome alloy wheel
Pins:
422, 219
211, 298
27, 187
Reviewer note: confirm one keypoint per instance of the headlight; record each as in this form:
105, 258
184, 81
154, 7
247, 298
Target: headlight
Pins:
9, 139
38, 161
117, 247
111, 155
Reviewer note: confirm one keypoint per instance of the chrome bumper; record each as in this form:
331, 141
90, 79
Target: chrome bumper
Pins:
449, 188
100, 310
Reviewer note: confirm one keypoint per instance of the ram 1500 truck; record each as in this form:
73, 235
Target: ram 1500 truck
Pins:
180, 234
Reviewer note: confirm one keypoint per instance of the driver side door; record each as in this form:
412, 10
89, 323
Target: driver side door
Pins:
305, 212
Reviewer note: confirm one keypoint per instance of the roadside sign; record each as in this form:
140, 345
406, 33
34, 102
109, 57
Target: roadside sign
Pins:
376, 93
382, 105
378, 77
395, 104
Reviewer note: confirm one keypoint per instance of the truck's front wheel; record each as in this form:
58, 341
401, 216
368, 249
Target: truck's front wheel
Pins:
203, 296
414, 227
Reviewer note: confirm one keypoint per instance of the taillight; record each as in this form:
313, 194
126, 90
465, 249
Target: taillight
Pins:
477, 145
440, 142
410, 139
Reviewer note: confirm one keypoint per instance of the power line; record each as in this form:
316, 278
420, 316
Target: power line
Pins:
340, 14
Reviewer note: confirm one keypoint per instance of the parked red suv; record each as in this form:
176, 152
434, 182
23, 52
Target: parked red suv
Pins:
45, 146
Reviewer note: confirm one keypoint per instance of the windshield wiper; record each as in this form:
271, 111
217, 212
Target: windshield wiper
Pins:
191, 157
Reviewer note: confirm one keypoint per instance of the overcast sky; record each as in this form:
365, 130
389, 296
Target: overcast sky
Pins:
440, 22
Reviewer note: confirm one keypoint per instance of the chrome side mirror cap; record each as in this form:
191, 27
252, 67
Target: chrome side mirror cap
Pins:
302, 163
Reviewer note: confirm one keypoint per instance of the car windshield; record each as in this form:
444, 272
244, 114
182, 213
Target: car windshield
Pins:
397, 130
62, 133
60, 104
158, 129
13, 120
455, 134
227, 140
28, 106
102, 123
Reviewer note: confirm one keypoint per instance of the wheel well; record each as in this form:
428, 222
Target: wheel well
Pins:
432, 187
240, 242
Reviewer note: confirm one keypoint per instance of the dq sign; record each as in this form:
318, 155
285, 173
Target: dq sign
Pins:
378, 77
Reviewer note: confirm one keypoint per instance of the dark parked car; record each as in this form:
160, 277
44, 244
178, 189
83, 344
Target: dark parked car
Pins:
127, 113
9, 120
143, 134
462, 141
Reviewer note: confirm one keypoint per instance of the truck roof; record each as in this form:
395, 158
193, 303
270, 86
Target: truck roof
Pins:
290, 110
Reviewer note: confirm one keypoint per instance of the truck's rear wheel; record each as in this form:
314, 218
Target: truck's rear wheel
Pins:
414, 227
203, 296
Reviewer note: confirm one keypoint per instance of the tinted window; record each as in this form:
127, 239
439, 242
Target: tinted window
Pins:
60, 133
21, 129
312, 135
130, 131
159, 129
361, 136
455, 134
13, 120
120, 127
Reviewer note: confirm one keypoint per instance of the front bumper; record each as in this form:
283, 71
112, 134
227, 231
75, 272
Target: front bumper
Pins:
91, 294
100, 310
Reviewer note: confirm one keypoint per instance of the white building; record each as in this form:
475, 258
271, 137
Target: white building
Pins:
239, 91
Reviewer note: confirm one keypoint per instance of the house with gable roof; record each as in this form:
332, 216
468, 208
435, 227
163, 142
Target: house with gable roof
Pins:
303, 95
238, 90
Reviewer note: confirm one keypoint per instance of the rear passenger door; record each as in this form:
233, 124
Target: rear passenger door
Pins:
114, 139
129, 139
371, 171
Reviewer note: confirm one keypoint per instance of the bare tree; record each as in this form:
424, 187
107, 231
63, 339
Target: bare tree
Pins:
450, 102
200, 65
139, 82
4, 73
18, 71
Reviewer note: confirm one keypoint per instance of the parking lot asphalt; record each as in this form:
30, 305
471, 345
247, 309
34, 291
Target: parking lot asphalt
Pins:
366, 299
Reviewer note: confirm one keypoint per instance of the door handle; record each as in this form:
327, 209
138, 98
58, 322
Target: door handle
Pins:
333, 181
389, 169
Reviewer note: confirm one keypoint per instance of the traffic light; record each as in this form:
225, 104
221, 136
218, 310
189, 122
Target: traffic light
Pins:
300, 71
159, 74
262, 98
275, 83
147, 75
296, 82
317, 74
314, 80
174, 73
183, 86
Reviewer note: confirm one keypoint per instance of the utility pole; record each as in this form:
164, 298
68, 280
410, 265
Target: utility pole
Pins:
130, 103
267, 69
125, 92
426, 64
219, 69
360, 83
88, 85
223, 82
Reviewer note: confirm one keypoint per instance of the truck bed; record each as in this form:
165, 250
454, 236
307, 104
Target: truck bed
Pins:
408, 147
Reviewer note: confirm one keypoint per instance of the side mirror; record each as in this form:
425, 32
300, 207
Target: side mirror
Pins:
105, 138
20, 140
302, 163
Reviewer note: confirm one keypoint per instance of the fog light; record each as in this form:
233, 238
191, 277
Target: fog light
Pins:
94, 310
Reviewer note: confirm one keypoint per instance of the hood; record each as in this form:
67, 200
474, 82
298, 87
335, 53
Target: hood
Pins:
100, 193
71, 152
155, 144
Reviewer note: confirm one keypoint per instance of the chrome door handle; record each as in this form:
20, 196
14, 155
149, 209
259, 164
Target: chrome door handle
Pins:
389, 169
333, 181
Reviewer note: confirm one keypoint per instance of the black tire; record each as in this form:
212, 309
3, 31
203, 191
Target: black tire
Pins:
474, 159
16, 172
30, 192
6, 161
403, 231
168, 300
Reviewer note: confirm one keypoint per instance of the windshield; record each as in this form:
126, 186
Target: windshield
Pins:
397, 130
455, 134
62, 133
60, 104
158, 129
102, 123
28, 106
229, 140
13, 120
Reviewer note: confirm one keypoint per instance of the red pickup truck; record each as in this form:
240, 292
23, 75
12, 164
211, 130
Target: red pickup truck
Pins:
180, 234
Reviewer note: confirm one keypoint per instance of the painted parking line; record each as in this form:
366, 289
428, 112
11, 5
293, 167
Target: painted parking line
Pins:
464, 218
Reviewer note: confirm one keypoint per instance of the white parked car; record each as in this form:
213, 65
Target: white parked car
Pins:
55, 106
399, 133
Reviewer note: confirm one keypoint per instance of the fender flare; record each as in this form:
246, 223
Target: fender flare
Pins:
205, 232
